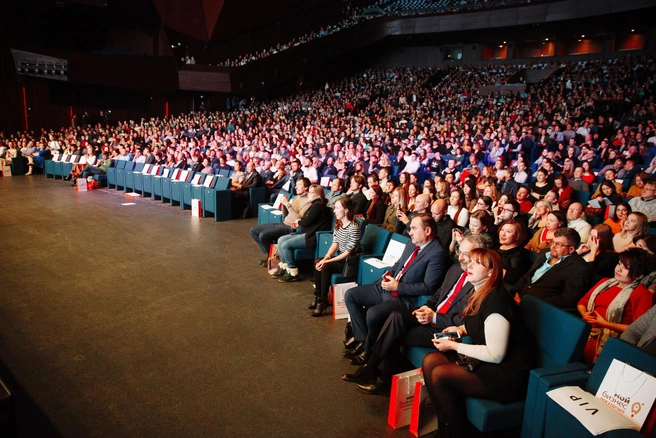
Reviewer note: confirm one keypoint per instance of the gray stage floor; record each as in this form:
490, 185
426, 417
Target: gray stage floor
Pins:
142, 320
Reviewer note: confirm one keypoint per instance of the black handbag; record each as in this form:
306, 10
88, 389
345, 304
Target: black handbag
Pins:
351, 264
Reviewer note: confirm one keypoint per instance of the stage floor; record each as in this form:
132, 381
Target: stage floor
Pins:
141, 320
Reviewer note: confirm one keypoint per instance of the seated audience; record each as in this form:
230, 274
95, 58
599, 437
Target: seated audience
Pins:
457, 209
419, 271
598, 251
346, 240
646, 203
539, 211
559, 275
445, 225
642, 332
318, 217
415, 327
616, 220
634, 225
515, 258
576, 221
398, 201
267, 234
543, 237
614, 303
495, 365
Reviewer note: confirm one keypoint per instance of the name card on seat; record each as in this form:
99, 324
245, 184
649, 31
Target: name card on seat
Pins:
325, 181
393, 252
56, 158
154, 170
196, 180
146, 169
184, 176
208, 181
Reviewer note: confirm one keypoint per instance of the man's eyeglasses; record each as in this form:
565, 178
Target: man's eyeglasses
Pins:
464, 254
558, 244
508, 210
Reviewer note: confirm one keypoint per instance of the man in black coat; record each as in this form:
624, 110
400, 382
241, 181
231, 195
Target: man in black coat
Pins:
559, 275
241, 191
415, 328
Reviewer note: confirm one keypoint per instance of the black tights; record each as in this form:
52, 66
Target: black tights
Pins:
322, 279
448, 384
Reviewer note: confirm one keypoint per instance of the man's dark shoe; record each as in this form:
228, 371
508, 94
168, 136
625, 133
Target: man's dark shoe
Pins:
349, 343
287, 278
378, 388
360, 359
364, 375
264, 262
352, 352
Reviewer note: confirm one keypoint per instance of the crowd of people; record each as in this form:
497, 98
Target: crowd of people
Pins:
485, 180
359, 15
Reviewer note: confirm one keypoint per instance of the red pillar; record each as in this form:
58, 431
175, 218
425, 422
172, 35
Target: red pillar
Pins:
27, 125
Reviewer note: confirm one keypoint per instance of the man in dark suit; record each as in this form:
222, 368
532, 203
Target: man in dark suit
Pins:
240, 193
419, 271
445, 224
559, 275
360, 201
415, 328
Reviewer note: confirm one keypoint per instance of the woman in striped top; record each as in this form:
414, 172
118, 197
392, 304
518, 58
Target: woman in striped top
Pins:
346, 239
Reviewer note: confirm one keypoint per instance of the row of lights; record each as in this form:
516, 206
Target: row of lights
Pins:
46, 69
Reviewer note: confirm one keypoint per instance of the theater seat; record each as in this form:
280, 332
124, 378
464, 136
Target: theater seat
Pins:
560, 423
559, 339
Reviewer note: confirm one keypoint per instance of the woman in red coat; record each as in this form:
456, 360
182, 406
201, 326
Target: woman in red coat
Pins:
614, 303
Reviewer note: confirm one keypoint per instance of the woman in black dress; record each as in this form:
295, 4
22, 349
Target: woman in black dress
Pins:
514, 257
497, 362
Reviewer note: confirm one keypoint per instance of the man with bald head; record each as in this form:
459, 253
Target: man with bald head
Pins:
422, 204
444, 222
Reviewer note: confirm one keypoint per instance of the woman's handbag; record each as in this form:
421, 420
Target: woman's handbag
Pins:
351, 264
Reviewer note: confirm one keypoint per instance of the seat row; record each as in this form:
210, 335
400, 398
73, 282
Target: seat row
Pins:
176, 187
559, 340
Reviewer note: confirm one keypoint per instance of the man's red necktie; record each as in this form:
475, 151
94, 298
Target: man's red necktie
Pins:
395, 294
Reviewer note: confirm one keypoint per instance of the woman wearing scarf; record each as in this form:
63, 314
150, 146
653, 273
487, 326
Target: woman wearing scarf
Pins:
614, 303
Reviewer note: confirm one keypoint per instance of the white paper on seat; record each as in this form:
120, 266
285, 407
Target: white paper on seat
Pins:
278, 202
196, 180
154, 170
83, 160
208, 181
325, 181
184, 176
393, 252
377, 263
287, 185
266, 207
277, 213
594, 203
166, 173
591, 412
56, 157
146, 169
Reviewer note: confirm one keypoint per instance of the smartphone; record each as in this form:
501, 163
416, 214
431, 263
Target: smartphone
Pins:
447, 335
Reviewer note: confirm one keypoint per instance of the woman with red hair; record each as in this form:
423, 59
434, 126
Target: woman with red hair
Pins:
497, 362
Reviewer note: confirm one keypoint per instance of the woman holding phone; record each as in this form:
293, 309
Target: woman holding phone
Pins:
497, 362
398, 201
